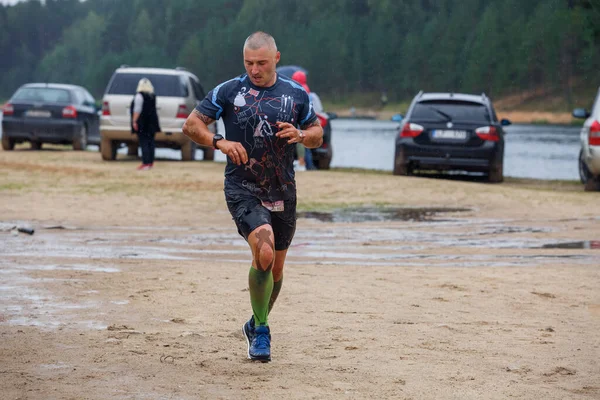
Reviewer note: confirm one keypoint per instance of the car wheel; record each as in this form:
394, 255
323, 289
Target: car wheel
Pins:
188, 151
36, 145
108, 149
209, 154
324, 161
401, 167
496, 174
584, 172
592, 184
132, 149
7, 143
80, 140
326, 164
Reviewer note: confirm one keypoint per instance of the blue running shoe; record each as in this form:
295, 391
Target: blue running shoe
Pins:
260, 348
248, 331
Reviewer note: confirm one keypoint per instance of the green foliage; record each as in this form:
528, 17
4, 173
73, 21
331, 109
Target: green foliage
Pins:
353, 49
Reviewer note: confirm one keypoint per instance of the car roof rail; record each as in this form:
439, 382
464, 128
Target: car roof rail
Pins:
420, 94
124, 66
483, 96
181, 68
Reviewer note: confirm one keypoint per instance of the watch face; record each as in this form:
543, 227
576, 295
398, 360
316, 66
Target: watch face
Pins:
216, 138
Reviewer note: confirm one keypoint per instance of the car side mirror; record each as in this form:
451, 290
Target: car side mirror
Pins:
332, 115
505, 122
581, 113
397, 117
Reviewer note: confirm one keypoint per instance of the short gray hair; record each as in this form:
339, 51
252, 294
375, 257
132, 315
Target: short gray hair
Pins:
258, 40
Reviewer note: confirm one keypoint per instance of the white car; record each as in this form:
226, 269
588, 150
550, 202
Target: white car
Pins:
589, 157
177, 90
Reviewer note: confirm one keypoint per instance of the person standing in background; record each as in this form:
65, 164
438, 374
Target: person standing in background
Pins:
144, 121
300, 77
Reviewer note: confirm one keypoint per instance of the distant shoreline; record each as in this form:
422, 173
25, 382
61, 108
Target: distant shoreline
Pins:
516, 117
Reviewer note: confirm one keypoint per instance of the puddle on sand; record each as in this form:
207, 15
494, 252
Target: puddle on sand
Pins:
585, 244
377, 214
27, 300
27, 283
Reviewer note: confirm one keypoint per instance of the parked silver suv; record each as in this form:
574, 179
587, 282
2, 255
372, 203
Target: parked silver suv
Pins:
589, 156
178, 91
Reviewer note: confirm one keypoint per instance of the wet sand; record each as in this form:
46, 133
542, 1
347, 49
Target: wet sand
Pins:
134, 285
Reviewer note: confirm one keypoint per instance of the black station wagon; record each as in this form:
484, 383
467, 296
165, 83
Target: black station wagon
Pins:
50, 113
451, 131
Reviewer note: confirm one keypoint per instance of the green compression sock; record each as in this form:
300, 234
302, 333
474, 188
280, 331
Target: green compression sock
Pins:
276, 289
261, 287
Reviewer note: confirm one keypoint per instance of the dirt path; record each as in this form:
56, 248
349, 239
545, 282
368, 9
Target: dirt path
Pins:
134, 286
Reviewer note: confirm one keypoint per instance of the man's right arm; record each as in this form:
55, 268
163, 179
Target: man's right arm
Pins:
196, 128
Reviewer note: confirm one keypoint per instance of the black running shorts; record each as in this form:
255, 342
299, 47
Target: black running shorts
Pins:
248, 213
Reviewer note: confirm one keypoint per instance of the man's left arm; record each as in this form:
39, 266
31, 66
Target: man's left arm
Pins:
313, 135
310, 135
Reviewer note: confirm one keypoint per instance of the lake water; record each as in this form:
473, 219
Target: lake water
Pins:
531, 151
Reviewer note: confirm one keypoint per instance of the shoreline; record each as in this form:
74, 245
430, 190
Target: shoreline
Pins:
516, 117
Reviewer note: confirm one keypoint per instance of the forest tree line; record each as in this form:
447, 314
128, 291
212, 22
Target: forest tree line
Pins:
350, 47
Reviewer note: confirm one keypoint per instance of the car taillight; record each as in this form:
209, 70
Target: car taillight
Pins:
182, 112
69, 112
105, 108
594, 136
411, 130
488, 133
8, 109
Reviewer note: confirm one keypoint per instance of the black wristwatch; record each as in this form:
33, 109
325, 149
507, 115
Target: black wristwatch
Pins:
216, 138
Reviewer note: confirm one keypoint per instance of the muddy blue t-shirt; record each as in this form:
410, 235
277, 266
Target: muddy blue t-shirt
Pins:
250, 114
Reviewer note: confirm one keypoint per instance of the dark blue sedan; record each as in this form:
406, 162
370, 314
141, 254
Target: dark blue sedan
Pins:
50, 113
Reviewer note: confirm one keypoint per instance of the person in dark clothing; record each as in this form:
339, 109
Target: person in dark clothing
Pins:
265, 115
144, 121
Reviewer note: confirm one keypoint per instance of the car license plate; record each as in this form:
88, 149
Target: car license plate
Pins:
449, 134
38, 113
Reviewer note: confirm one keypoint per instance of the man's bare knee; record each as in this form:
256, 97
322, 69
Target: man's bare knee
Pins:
264, 251
265, 258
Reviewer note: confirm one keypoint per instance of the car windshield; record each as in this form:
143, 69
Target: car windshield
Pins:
463, 111
42, 95
164, 85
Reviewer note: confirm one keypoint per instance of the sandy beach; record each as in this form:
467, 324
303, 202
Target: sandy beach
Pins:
134, 286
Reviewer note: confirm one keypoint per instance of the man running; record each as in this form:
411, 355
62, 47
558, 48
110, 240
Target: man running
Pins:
264, 116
